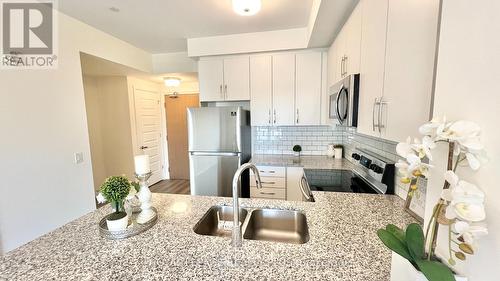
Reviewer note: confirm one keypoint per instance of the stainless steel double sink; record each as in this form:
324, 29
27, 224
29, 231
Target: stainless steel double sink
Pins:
276, 225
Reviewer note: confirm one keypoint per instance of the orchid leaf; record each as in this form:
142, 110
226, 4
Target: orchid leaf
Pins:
393, 243
397, 232
415, 241
435, 271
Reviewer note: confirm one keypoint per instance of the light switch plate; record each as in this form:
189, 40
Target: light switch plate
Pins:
78, 157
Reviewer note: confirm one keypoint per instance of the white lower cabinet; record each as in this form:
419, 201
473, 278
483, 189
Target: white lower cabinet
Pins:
273, 180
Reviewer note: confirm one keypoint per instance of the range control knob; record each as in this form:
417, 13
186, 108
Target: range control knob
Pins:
377, 169
356, 156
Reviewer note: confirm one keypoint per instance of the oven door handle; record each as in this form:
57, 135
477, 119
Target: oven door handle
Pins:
302, 188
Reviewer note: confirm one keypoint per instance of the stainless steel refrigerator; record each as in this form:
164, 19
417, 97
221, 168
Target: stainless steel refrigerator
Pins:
219, 142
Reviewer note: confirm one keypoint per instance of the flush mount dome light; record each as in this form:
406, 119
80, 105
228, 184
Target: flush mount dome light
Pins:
246, 7
172, 81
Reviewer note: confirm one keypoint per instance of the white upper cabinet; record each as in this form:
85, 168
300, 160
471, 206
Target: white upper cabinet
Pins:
261, 88
409, 67
283, 89
224, 79
308, 88
353, 42
372, 64
211, 77
236, 78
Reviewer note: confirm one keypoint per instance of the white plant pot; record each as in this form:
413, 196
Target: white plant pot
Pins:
403, 270
297, 154
117, 225
338, 153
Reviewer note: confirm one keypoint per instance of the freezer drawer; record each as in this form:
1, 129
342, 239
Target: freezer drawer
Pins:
212, 175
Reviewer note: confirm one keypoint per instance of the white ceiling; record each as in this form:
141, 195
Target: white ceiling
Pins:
162, 26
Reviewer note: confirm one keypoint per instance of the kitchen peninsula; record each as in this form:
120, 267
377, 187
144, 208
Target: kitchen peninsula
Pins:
343, 245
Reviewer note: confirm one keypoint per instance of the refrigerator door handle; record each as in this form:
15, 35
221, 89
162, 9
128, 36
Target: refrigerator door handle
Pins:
199, 153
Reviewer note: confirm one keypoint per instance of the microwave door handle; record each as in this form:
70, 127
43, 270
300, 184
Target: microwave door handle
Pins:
337, 108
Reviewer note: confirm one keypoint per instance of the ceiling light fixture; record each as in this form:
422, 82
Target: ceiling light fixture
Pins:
172, 81
247, 7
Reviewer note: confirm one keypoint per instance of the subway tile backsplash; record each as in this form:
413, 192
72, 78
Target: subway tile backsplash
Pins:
314, 140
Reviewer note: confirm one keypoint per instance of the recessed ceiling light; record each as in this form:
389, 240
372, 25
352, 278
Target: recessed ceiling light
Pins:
114, 9
172, 81
247, 7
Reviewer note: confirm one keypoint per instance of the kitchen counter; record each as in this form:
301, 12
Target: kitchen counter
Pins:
343, 245
308, 162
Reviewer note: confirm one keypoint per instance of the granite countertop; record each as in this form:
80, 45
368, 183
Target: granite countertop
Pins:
343, 245
308, 162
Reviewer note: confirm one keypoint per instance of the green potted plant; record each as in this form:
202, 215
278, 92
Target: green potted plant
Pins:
115, 190
296, 150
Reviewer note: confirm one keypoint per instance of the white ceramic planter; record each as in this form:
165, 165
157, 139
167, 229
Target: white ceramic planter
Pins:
117, 225
338, 153
403, 270
296, 154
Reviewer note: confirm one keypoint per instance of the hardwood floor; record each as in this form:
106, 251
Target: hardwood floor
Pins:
171, 186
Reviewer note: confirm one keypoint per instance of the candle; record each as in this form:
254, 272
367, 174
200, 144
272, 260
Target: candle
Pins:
142, 164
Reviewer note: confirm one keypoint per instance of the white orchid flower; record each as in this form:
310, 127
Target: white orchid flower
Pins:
469, 232
423, 148
431, 127
466, 200
403, 149
100, 198
465, 133
417, 167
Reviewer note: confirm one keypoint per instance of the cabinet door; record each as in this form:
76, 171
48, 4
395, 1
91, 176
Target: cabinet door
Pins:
293, 178
333, 64
374, 24
261, 90
283, 89
237, 78
340, 43
308, 89
409, 67
210, 74
353, 41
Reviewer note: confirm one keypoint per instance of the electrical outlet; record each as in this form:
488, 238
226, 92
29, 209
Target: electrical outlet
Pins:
78, 157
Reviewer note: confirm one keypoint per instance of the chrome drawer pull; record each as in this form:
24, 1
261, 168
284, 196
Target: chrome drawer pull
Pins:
267, 193
268, 182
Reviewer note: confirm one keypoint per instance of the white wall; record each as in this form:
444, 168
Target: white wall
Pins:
43, 123
174, 62
467, 87
108, 118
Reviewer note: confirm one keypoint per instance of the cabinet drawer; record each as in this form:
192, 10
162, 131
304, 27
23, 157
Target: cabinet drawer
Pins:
271, 171
272, 182
268, 193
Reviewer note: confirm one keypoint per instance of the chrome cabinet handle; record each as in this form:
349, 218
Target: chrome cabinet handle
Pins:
268, 182
225, 92
269, 119
342, 67
375, 103
380, 107
275, 116
297, 116
220, 90
345, 65
144, 147
267, 193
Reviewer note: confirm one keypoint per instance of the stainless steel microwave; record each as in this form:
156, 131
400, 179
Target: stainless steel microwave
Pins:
344, 100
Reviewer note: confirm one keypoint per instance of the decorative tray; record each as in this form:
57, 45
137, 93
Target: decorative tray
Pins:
133, 228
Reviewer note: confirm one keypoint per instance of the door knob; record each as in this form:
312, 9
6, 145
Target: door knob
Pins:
144, 147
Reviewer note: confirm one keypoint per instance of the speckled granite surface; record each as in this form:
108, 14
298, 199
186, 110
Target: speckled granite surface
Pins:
308, 162
343, 245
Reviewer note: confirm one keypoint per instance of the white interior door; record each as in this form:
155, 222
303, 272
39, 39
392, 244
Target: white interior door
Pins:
148, 129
